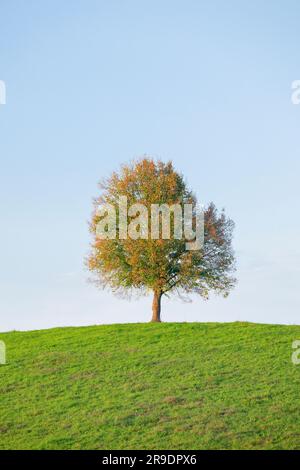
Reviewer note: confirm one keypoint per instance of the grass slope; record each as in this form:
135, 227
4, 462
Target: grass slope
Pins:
151, 386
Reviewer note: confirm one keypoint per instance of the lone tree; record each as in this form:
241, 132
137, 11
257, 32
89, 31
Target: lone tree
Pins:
163, 264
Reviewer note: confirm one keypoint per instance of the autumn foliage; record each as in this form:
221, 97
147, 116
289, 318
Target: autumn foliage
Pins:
163, 266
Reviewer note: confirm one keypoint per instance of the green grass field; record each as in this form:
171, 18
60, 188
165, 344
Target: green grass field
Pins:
151, 386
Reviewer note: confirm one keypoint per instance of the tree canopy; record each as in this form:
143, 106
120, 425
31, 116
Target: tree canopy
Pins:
159, 264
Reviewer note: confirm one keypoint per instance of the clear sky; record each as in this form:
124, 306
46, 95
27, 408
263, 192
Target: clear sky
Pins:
91, 84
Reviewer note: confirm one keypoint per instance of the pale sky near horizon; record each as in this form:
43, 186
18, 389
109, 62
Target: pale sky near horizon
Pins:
92, 84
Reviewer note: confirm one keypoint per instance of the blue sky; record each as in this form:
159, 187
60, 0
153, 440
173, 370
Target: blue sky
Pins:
92, 84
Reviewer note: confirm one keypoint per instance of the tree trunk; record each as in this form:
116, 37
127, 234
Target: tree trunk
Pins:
156, 304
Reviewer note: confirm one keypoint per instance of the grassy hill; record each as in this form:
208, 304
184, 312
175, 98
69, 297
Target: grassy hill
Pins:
151, 386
